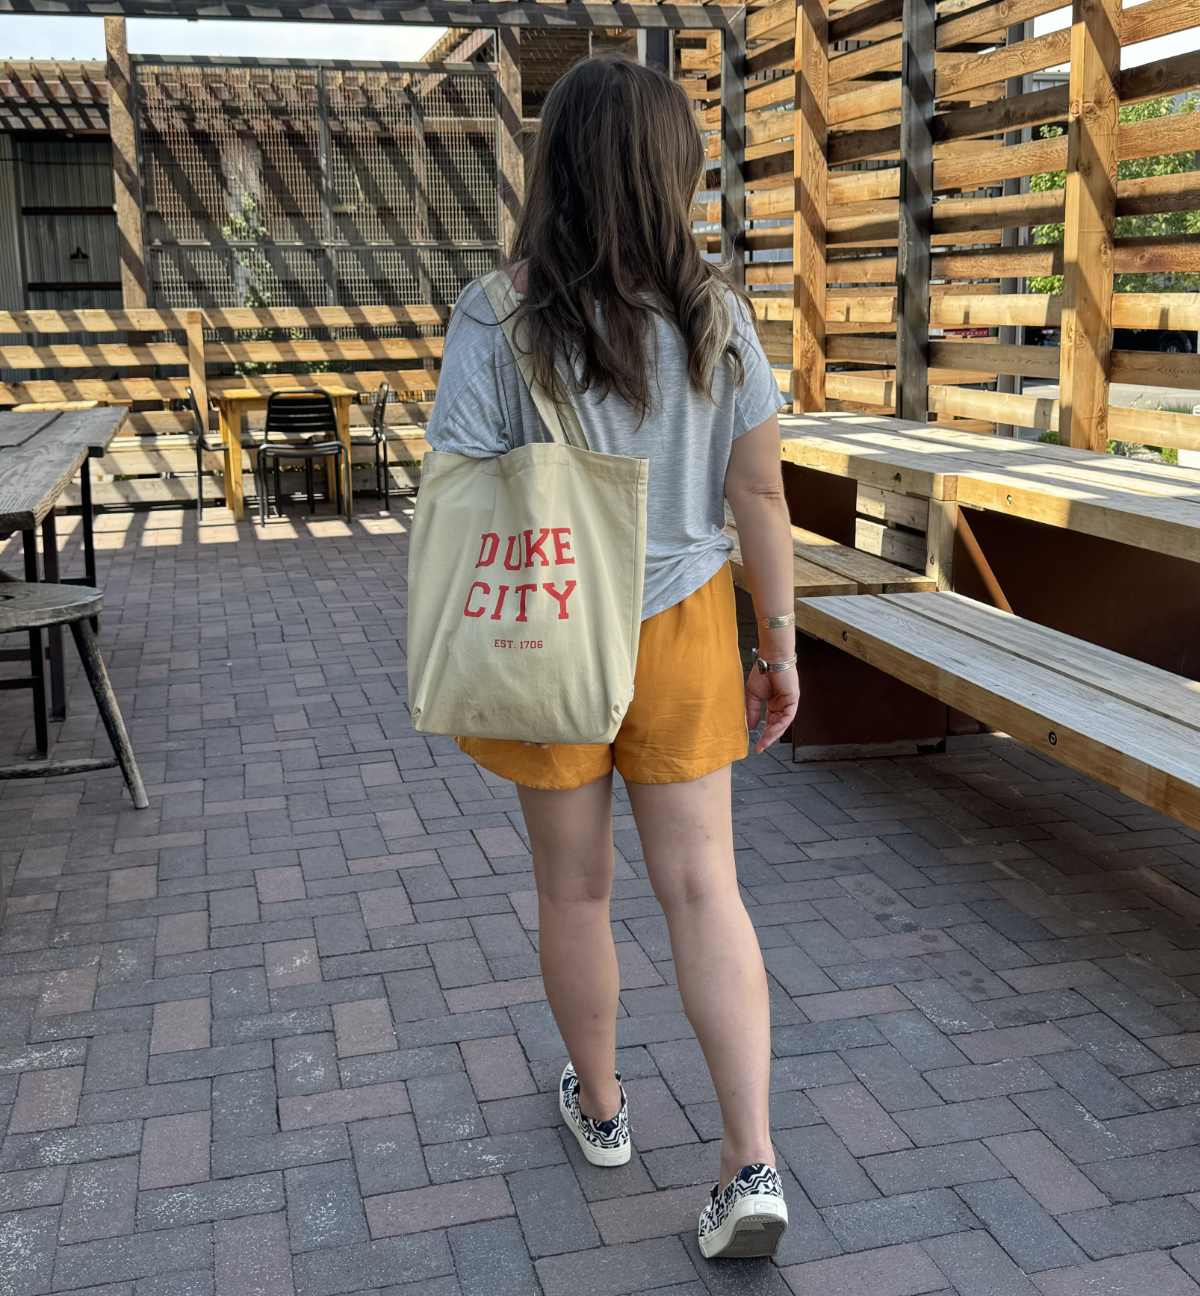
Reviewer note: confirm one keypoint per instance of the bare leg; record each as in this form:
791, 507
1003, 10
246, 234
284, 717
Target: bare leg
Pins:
687, 836
571, 836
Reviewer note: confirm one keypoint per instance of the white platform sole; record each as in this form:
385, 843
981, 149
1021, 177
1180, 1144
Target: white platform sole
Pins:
597, 1156
754, 1228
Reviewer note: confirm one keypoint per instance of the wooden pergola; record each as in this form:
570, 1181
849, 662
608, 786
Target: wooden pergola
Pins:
897, 139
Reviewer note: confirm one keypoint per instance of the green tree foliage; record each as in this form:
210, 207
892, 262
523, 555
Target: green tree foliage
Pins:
1181, 222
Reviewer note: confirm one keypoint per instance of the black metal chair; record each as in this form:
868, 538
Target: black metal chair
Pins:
205, 440
383, 480
296, 414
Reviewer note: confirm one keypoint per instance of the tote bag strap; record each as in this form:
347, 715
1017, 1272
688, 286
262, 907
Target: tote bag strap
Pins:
561, 420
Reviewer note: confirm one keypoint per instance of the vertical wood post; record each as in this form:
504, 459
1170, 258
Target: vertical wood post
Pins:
1090, 214
810, 177
733, 146
913, 258
1010, 236
197, 375
511, 162
325, 174
127, 184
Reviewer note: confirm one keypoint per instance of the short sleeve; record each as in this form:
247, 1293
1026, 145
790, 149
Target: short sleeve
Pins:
471, 413
759, 396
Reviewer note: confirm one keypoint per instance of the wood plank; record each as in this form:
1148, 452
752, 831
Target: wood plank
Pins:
954, 77
101, 355
1158, 18
890, 544
733, 150
871, 574
991, 357
810, 579
810, 198
355, 349
983, 20
890, 506
1140, 753
857, 23
996, 407
510, 160
1162, 693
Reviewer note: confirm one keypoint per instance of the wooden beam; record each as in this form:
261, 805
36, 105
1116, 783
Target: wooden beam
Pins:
510, 161
127, 185
1089, 221
809, 207
578, 14
733, 148
916, 209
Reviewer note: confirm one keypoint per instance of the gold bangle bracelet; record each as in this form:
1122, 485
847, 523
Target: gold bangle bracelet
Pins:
777, 623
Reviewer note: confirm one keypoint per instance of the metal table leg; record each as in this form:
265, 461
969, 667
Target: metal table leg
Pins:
54, 634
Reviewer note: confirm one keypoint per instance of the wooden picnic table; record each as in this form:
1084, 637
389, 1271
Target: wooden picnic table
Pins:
1101, 547
233, 403
41, 452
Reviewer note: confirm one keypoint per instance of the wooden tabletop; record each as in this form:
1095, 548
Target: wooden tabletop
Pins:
40, 453
1136, 502
244, 395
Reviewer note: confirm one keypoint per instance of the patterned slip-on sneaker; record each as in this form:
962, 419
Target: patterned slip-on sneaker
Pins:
748, 1218
604, 1143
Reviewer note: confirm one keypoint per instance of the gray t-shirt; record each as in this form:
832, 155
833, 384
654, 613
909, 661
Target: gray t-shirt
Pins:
483, 408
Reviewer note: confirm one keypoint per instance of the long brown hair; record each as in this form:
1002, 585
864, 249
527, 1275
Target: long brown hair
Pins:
606, 234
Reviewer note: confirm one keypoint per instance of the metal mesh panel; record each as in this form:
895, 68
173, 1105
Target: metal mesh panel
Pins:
316, 185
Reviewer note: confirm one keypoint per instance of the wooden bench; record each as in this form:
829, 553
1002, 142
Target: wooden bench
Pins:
1132, 726
848, 709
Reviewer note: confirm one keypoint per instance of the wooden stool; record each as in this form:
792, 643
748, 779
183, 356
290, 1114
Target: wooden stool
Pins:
32, 607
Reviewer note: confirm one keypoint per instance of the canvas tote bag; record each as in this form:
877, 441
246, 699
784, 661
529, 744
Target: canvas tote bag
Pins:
525, 580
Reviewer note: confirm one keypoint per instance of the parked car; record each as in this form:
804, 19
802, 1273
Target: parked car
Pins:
1169, 341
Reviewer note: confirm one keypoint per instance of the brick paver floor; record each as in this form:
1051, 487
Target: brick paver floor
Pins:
283, 1032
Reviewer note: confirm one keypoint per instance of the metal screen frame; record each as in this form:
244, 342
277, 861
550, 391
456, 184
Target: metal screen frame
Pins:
316, 183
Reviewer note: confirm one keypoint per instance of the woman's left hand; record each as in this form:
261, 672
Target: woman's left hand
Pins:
777, 693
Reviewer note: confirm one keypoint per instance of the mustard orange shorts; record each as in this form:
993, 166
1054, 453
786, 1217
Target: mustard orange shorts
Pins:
687, 717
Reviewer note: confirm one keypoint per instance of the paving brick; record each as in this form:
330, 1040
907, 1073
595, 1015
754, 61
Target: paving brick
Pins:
953, 1122
858, 1120
23, 1189
109, 1260
439, 1206
499, 1154
445, 1108
1072, 1129
491, 1259
71, 990
292, 962
46, 1100
385, 907
853, 1003
181, 1025
935, 1167
175, 1150
1138, 1178
906, 1217
497, 1068
1020, 1225
70, 1146
974, 1263
552, 1211
100, 1200
306, 1064
244, 1103
363, 1026
216, 1199
1096, 1088
387, 1154
276, 885
796, 972
826, 1171
616, 1271
29, 1236
333, 1271
324, 1208
1045, 1172
989, 1080
362, 1103
252, 1257
244, 1156
1133, 1226
655, 1119
1016, 1042
894, 1083
652, 1215
886, 1271
1135, 1275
